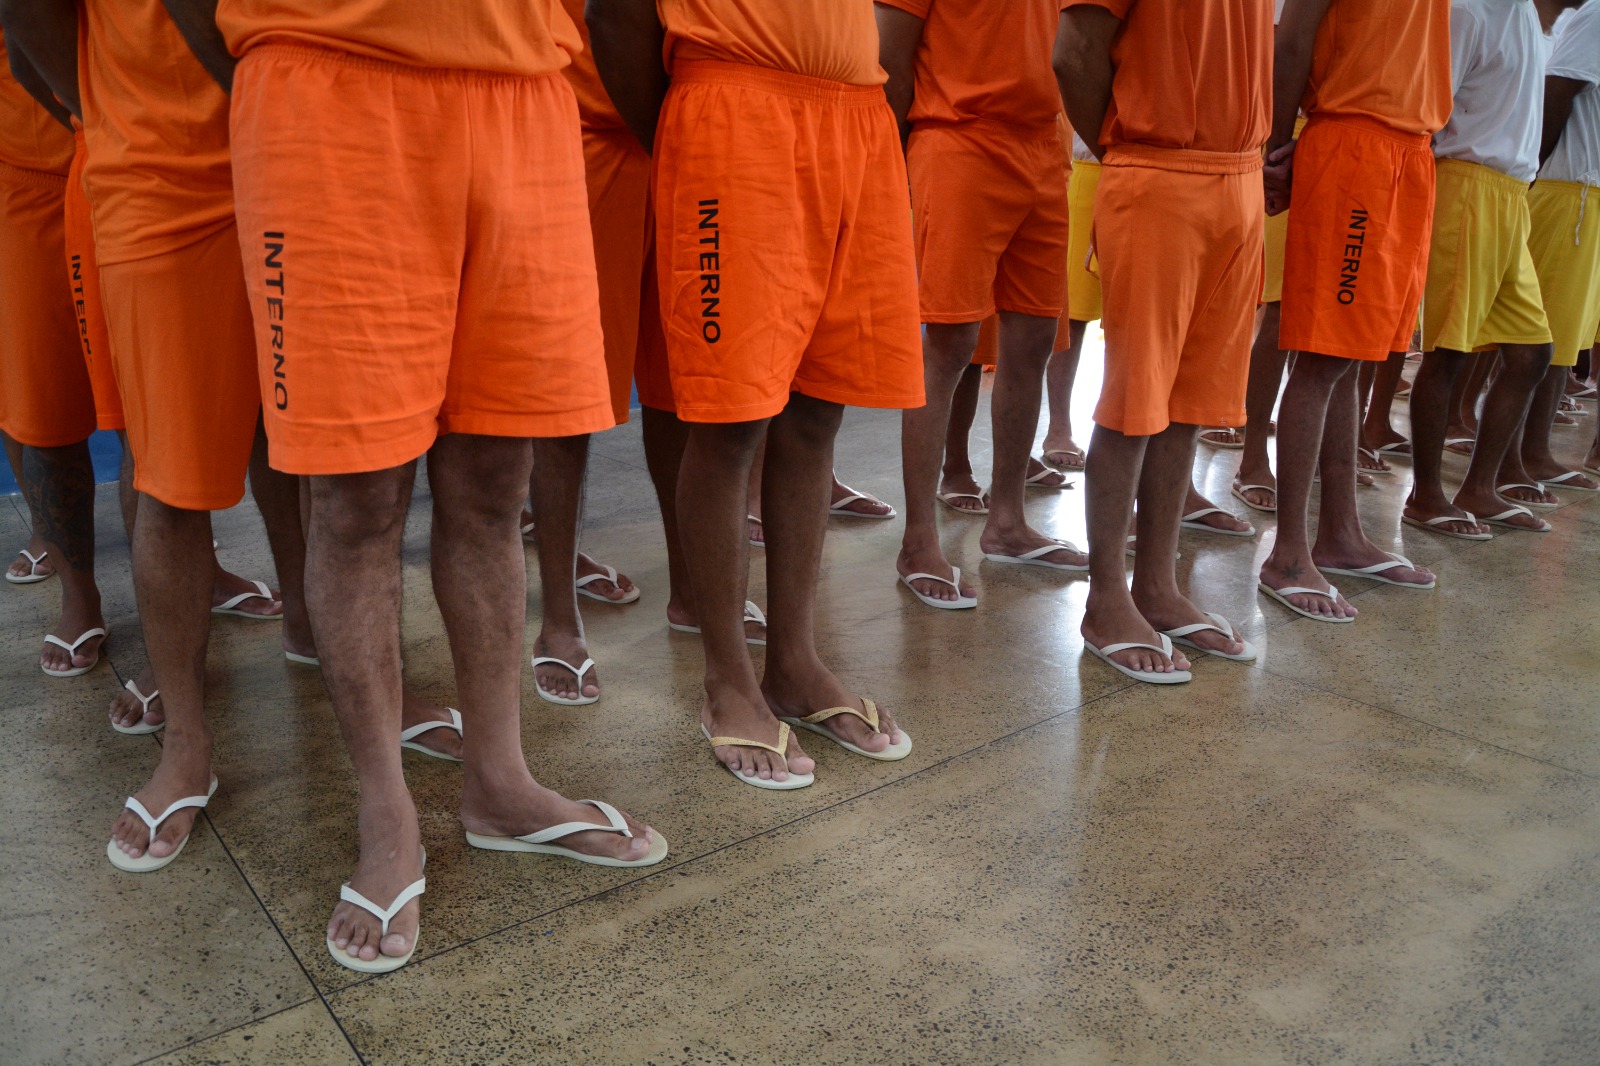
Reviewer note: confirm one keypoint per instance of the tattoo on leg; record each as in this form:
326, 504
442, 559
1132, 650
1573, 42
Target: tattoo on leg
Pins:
60, 487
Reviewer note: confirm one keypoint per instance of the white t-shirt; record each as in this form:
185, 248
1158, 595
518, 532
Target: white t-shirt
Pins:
1081, 152
1497, 59
1577, 56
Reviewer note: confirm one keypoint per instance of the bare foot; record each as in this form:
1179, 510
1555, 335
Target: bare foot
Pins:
962, 492
798, 692
1491, 505
1222, 437
756, 532
599, 581
1041, 476
1263, 493
1302, 573
225, 586
1528, 494
748, 717
391, 859
21, 567
1122, 624
1168, 614
523, 807
861, 503
73, 624
1364, 553
1018, 543
1064, 454
555, 680
184, 770
932, 561
126, 709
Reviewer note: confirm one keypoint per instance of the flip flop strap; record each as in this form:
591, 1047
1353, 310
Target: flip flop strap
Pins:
588, 664
1445, 519
262, 592
953, 582
1255, 488
72, 649
384, 915
840, 504
33, 560
609, 573
617, 825
777, 749
427, 727
1202, 513
1165, 647
1519, 485
752, 613
1039, 553
1296, 590
154, 824
869, 716
1393, 562
1516, 509
145, 701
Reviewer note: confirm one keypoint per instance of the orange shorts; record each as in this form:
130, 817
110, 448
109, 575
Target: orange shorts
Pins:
84, 274
45, 398
783, 242
1360, 221
1177, 338
417, 247
184, 354
991, 223
623, 222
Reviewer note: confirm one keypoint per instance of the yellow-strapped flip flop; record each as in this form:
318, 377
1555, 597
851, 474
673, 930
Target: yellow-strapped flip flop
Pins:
780, 748
813, 722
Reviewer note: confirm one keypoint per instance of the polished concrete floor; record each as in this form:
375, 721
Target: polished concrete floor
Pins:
1378, 844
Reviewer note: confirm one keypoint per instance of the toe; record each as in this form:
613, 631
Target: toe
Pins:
395, 945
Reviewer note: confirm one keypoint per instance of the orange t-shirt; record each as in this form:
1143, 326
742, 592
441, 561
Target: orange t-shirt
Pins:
504, 36
977, 61
594, 103
1383, 60
832, 39
1191, 74
156, 125
30, 137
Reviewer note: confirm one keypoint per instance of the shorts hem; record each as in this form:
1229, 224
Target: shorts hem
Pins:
1338, 351
111, 425
1083, 314
1034, 312
595, 419
187, 500
956, 318
64, 439
882, 401
319, 461
1482, 346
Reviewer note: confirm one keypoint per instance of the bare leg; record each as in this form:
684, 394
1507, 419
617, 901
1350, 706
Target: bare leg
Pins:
947, 352
1025, 342
172, 577
1060, 451
20, 567
1115, 470
1316, 383
558, 470
1377, 429
714, 482
1534, 461
1431, 409
956, 475
1261, 396
277, 496
59, 485
1522, 367
758, 528
796, 683
1163, 482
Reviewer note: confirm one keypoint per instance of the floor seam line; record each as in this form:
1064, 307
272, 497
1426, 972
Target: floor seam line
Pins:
224, 1032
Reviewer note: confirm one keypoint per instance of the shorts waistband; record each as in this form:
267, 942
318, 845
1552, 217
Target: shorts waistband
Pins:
1182, 160
1571, 188
44, 179
1477, 172
338, 56
1372, 125
781, 82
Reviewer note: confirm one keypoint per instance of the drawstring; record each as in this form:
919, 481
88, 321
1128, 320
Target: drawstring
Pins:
1590, 179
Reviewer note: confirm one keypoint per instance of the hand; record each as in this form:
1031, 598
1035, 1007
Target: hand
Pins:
1278, 177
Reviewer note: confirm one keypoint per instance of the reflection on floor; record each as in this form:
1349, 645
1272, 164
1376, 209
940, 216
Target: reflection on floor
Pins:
1380, 843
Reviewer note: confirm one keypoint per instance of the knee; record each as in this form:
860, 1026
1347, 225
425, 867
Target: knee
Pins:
1524, 366
352, 508
814, 422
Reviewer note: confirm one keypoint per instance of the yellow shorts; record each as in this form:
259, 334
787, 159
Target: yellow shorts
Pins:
1276, 234
1083, 288
1482, 288
1565, 244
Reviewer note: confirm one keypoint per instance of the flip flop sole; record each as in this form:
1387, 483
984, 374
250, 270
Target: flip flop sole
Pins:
143, 729
1012, 560
234, 612
1379, 578
1249, 654
631, 597
893, 753
30, 579
1201, 527
1417, 523
144, 864
1302, 612
961, 603
658, 850
1176, 677
860, 514
420, 749
381, 964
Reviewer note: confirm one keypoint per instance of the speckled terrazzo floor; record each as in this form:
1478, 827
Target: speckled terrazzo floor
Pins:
1378, 844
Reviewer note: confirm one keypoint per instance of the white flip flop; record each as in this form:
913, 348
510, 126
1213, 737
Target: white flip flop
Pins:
753, 542
1436, 525
303, 660
1239, 494
1036, 557
32, 577
1392, 451
948, 498
143, 728
1503, 520
1460, 440
1192, 521
1175, 677
1560, 481
840, 509
540, 843
148, 863
1219, 624
608, 574
1037, 481
1282, 596
383, 963
752, 613
813, 723
72, 649
581, 700
780, 749
960, 603
230, 606
408, 737
1235, 446
1501, 490
1376, 571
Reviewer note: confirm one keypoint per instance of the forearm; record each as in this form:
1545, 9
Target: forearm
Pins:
1291, 70
627, 38
197, 21
1084, 71
30, 79
45, 32
1559, 94
899, 35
